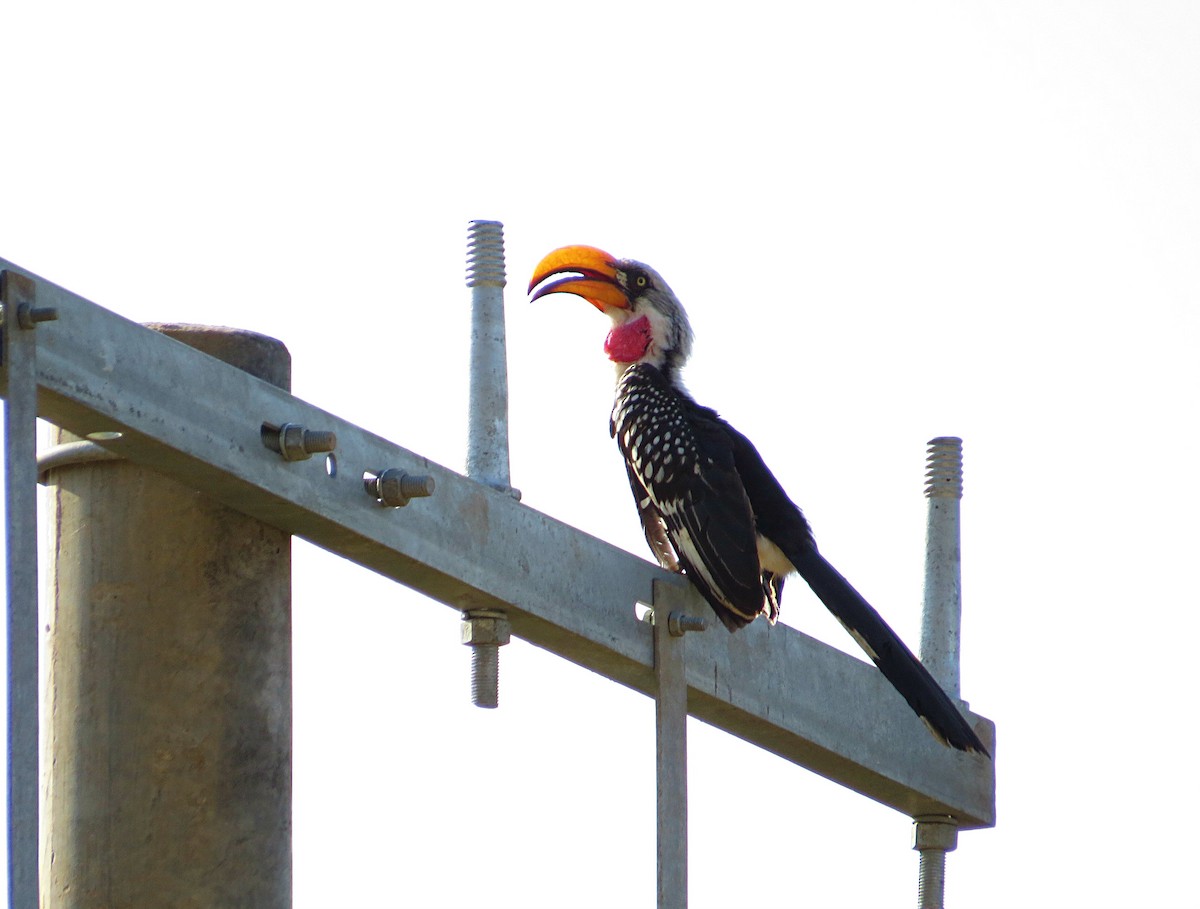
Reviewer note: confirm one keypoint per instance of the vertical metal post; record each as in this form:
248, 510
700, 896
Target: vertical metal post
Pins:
942, 614
934, 836
19, 354
487, 427
168, 778
670, 722
485, 631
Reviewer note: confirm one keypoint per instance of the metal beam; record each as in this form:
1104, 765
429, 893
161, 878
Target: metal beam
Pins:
472, 547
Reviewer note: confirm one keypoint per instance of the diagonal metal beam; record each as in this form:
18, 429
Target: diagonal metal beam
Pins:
472, 547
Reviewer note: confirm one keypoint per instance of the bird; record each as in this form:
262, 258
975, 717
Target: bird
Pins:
710, 507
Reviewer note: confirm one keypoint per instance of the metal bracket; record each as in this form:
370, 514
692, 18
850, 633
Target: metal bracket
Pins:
69, 453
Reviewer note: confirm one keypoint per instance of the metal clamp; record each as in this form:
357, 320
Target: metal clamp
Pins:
70, 453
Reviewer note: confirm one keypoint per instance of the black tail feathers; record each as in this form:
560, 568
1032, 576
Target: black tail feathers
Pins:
884, 647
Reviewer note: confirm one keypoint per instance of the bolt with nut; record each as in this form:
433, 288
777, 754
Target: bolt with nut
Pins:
393, 488
485, 631
294, 442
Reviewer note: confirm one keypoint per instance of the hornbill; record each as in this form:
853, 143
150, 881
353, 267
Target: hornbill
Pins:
708, 504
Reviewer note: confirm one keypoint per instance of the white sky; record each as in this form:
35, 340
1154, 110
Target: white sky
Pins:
888, 222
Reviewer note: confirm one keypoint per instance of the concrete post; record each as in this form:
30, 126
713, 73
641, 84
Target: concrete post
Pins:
168, 721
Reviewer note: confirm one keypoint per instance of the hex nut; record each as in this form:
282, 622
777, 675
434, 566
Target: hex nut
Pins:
935, 832
485, 629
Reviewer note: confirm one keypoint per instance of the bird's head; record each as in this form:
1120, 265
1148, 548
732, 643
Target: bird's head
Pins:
649, 323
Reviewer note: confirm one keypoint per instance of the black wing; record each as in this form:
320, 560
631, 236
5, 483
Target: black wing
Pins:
682, 472
652, 523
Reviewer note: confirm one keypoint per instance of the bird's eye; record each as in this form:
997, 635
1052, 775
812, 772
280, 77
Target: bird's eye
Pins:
641, 281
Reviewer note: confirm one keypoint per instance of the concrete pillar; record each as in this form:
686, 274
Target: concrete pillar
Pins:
167, 744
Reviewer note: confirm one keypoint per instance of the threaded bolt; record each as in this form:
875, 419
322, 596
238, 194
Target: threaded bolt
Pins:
393, 488
944, 468
296, 443
485, 254
941, 615
312, 441
487, 409
931, 885
679, 623
485, 675
485, 631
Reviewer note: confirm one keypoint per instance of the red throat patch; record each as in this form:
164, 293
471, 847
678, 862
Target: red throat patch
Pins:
627, 343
